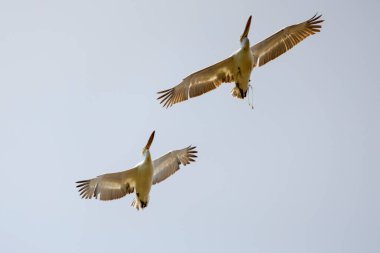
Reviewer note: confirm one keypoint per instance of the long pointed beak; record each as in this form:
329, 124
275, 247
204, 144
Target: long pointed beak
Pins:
246, 30
147, 146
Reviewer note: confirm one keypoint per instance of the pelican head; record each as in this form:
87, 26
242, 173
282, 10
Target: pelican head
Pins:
244, 36
147, 146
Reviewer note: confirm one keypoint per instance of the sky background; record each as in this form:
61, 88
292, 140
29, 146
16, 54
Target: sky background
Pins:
299, 173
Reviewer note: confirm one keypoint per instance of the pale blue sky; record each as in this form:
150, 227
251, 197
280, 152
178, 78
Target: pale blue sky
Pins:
299, 173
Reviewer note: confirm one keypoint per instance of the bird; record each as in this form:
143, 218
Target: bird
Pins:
238, 67
138, 179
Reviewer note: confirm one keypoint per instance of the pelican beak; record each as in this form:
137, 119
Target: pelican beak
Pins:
149, 141
246, 30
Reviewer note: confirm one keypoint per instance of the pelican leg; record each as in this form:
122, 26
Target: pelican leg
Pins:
143, 204
242, 93
135, 204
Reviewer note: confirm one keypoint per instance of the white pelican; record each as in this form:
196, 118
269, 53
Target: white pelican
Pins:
139, 179
238, 67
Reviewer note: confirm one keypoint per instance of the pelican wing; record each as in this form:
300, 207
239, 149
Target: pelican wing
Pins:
108, 186
282, 41
168, 164
199, 82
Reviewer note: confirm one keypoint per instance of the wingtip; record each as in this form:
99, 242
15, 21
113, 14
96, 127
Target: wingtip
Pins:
166, 98
316, 18
192, 153
81, 181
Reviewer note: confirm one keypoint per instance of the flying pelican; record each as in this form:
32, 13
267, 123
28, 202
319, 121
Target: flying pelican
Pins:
238, 67
139, 179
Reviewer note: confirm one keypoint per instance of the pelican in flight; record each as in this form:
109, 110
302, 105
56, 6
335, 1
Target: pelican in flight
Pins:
238, 67
139, 179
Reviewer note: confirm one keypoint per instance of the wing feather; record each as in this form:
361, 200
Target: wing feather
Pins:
168, 164
199, 83
108, 186
284, 40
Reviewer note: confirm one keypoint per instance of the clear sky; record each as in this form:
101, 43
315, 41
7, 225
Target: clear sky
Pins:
299, 173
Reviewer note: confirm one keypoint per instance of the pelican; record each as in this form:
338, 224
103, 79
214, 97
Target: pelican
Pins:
238, 67
139, 179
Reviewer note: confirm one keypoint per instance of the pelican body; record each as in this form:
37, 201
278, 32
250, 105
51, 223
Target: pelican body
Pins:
238, 67
243, 60
139, 179
144, 177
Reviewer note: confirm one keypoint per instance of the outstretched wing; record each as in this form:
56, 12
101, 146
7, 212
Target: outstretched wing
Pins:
199, 82
168, 164
108, 186
282, 41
